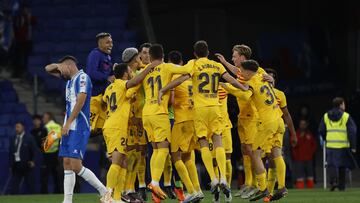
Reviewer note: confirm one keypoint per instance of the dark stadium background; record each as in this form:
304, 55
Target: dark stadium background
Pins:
313, 45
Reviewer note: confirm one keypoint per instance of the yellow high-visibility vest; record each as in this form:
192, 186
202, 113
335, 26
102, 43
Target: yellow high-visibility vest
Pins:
52, 126
336, 132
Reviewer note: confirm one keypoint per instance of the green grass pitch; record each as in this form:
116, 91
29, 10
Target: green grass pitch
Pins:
311, 196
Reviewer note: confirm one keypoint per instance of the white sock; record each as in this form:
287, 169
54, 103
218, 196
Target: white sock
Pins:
90, 177
69, 184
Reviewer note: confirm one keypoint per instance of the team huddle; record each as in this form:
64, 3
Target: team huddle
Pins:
180, 108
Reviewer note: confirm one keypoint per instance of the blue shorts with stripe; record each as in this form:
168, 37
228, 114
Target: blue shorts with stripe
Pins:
74, 144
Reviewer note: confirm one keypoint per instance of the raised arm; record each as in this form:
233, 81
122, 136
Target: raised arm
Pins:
228, 65
243, 95
226, 76
80, 101
140, 77
172, 85
53, 69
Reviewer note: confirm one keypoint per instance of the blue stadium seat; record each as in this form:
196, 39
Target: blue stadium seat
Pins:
5, 119
63, 47
20, 108
8, 96
43, 47
6, 84
4, 144
10, 130
3, 132
6, 108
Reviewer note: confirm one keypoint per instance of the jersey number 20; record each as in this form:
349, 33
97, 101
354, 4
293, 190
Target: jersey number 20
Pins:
206, 79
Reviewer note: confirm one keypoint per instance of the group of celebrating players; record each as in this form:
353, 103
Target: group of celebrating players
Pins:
180, 108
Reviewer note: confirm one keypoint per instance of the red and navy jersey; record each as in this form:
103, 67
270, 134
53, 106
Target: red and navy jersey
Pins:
99, 68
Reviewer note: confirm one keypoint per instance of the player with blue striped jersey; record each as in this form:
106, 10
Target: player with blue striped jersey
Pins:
76, 128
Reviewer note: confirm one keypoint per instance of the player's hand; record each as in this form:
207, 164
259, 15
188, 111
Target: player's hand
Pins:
223, 84
293, 140
65, 129
221, 58
161, 93
268, 78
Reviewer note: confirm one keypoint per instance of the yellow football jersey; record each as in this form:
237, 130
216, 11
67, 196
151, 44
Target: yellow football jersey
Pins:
117, 104
281, 99
138, 104
183, 102
264, 98
247, 107
205, 75
223, 96
159, 77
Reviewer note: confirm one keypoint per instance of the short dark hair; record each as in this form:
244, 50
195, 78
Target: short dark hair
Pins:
68, 57
337, 101
175, 57
37, 116
272, 71
250, 65
120, 69
146, 45
201, 48
21, 123
51, 115
102, 35
242, 49
156, 51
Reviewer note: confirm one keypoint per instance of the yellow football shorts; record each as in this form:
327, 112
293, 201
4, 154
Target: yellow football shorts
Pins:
140, 137
183, 136
115, 139
266, 132
97, 113
208, 121
247, 129
157, 127
227, 140
277, 139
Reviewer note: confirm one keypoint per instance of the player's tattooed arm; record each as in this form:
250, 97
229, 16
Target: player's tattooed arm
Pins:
172, 85
139, 78
228, 65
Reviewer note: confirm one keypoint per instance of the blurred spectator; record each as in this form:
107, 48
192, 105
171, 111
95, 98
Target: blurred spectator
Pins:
23, 24
339, 130
38, 132
303, 153
50, 164
22, 160
305, 112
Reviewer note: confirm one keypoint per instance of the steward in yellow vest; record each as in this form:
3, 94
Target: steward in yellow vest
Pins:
338, 130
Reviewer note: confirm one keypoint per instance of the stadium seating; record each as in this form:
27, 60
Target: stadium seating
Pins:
69, 27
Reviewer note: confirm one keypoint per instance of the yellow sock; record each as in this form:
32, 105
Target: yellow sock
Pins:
112, 176
261, 179
254, 180
184, 175
119, 188
221, 161
271, 179
280, 171
167, 171
207, 160
228, 172
217, 173
248, 170
152, 161
141, 171
135, 170
131, 159
191, 167
159, 164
